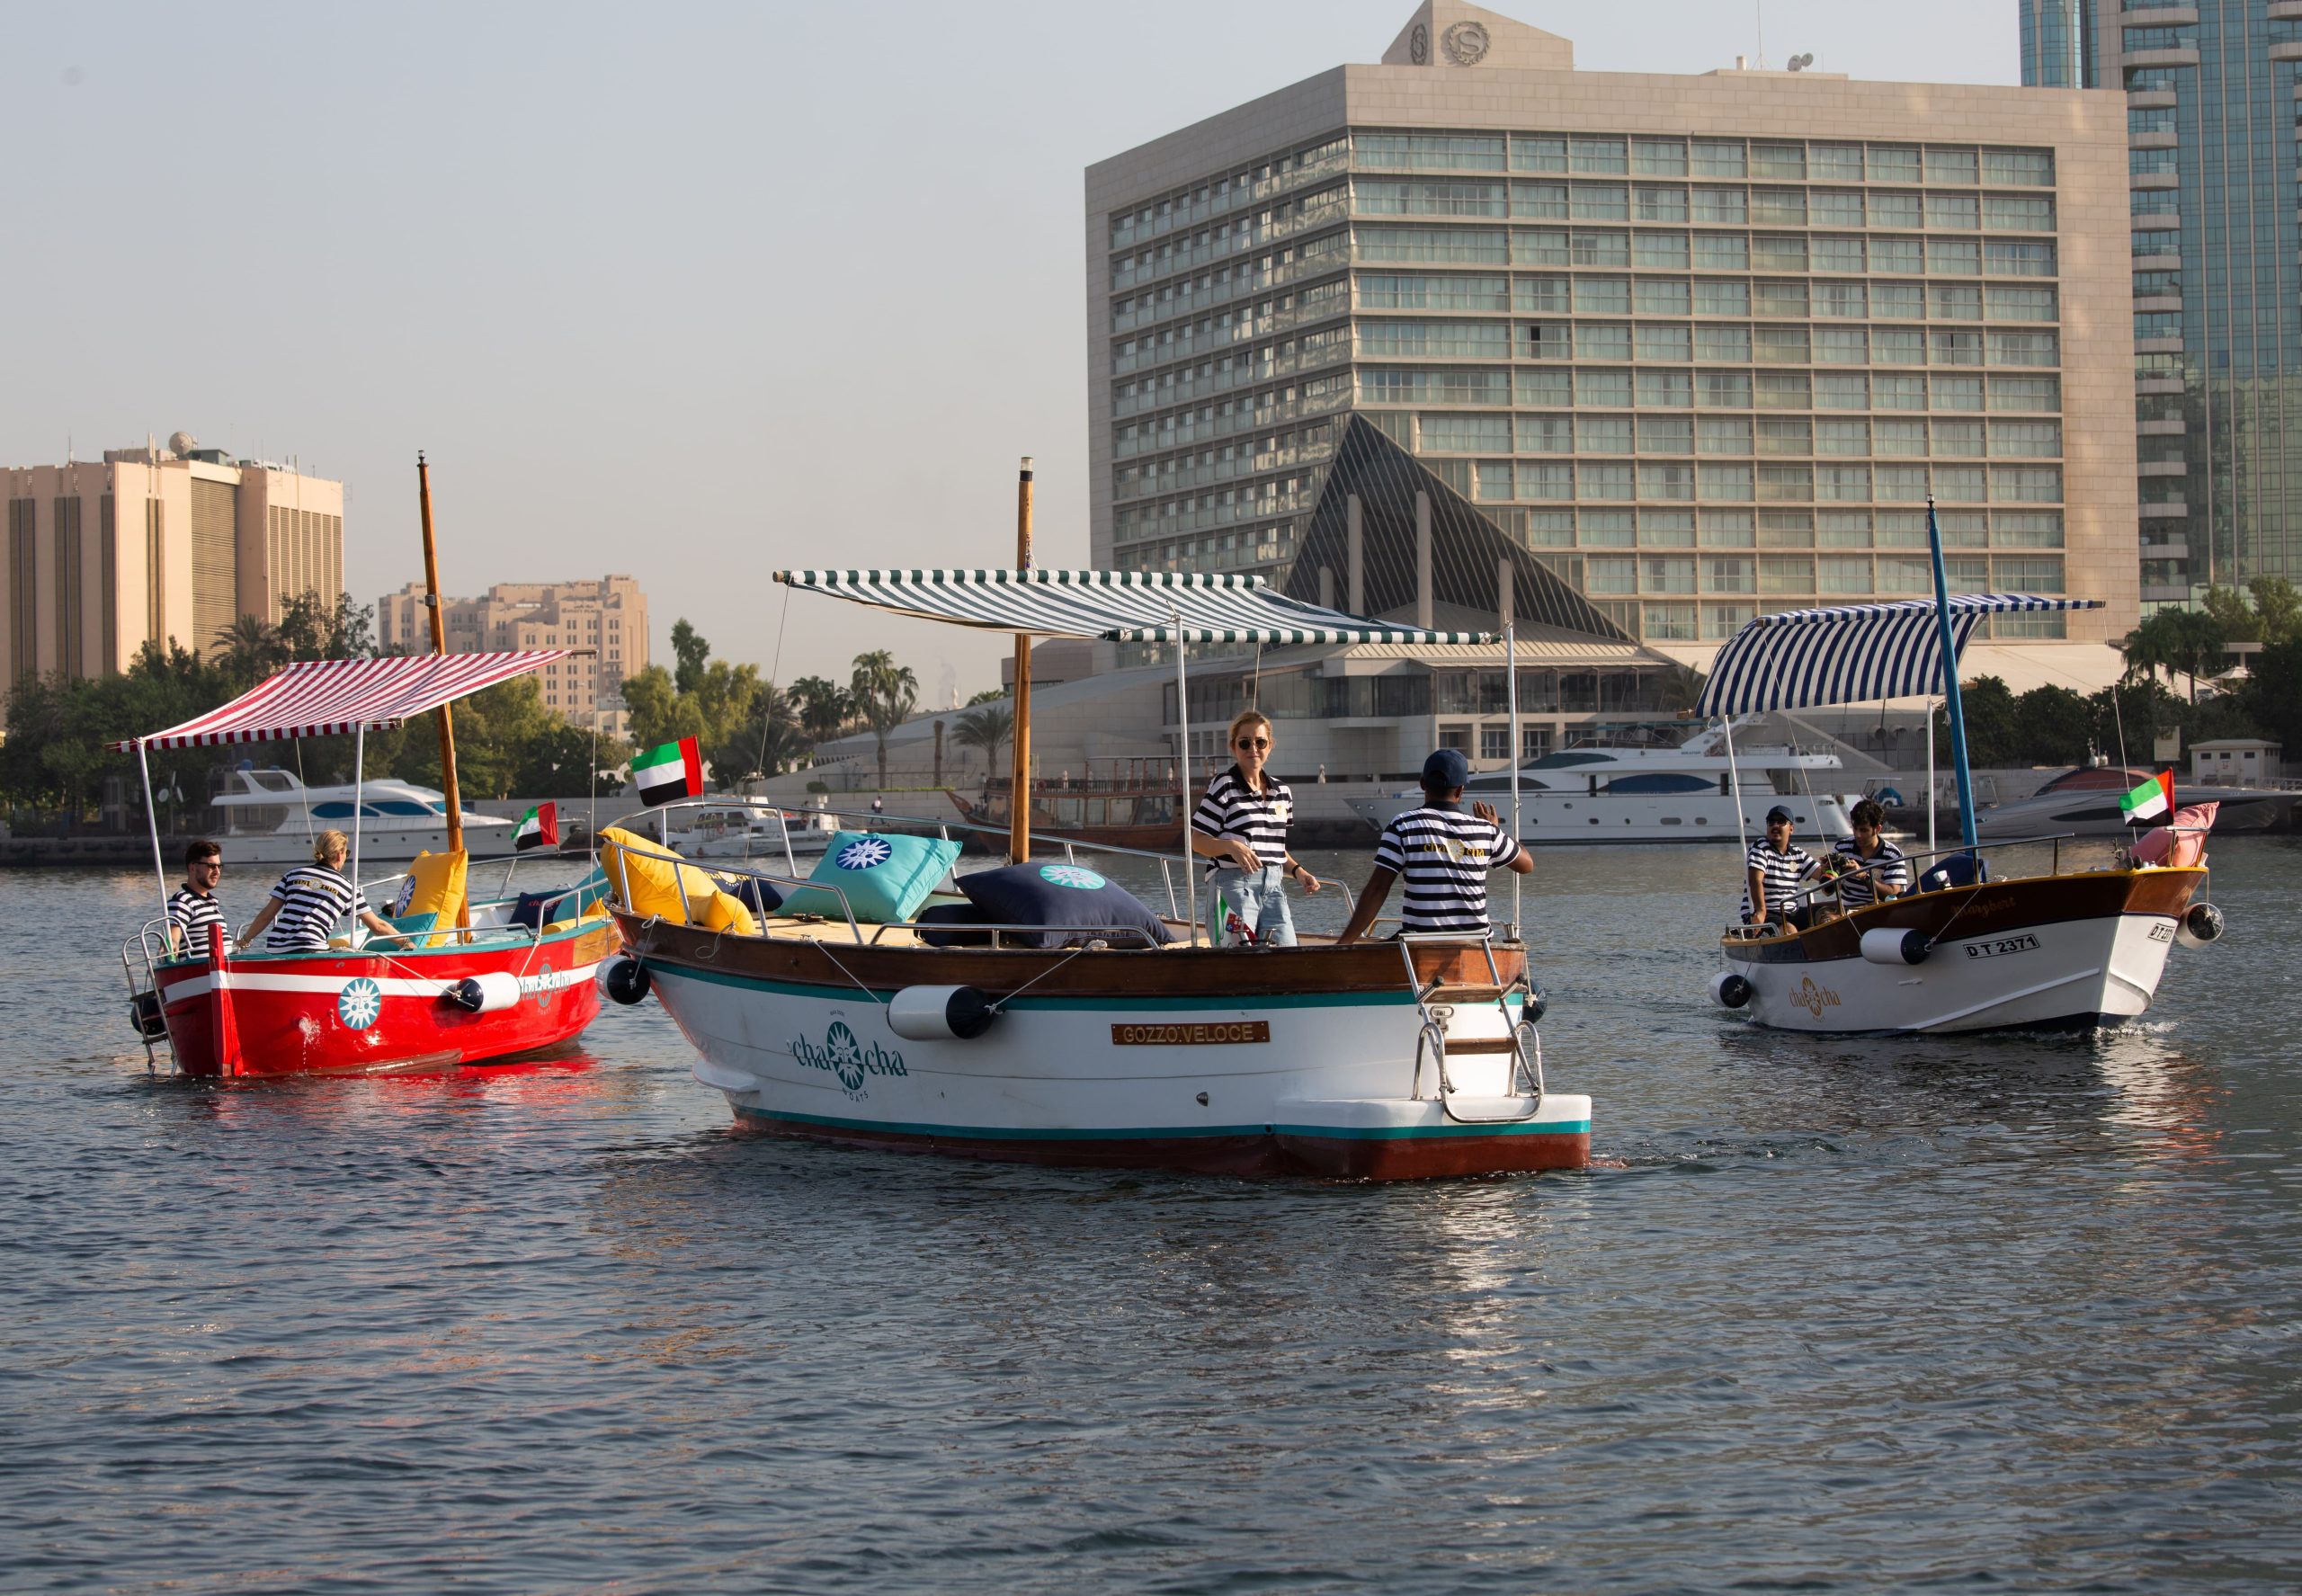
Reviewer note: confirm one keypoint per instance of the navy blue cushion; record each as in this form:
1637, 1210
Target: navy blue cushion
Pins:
754, 893
1960, 869
1069, 899
952, 914
528, 910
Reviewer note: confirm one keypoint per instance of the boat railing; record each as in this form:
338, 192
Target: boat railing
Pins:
914, 824
1742, 931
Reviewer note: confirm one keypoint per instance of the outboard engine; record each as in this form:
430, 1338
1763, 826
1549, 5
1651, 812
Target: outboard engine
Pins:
2201, 924
1729, 990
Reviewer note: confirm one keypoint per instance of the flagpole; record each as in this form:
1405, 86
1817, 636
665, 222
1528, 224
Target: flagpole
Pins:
439, 647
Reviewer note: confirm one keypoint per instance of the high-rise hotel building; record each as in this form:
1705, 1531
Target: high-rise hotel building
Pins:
2212, 91
1699, 345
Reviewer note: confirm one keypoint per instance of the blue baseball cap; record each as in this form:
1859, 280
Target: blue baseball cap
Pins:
1445, 770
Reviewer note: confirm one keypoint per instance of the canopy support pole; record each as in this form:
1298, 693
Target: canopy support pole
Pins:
1182, 799
1019, 791
439, 647
152, 817
1510, 669
1734, 786
1956, 711
358, 779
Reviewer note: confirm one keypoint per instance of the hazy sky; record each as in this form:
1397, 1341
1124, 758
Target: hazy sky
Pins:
689, 292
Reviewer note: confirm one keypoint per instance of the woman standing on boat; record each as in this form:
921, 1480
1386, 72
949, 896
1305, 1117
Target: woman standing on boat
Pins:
1241, 824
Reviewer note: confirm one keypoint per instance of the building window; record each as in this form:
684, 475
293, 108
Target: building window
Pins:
1495, 741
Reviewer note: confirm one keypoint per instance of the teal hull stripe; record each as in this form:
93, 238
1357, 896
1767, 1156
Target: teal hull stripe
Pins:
1118, 1005
977, 1133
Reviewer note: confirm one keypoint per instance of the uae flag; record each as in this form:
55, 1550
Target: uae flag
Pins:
538, 828
2153, 800
673, 770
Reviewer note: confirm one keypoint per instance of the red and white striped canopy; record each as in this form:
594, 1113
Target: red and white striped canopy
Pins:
321, 698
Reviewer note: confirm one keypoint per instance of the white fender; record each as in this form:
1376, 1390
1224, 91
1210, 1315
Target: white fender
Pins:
1884, 944
939, 1013
1729, 989
2200, 925
487, 993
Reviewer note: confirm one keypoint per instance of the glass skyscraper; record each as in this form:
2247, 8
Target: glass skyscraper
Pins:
2212, 100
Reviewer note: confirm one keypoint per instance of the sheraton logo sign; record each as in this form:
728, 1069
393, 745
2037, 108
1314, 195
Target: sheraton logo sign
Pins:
1222, 1034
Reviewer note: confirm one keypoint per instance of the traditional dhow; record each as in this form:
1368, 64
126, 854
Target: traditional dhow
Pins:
1968, 948
1134, 1046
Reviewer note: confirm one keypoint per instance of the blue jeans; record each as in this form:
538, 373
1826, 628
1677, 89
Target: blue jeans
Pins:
1259, 898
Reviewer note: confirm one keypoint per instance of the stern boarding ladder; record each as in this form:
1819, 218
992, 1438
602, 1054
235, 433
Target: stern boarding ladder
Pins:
1436, 1002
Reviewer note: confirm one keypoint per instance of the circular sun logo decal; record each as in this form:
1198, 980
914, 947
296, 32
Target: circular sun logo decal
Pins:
359, 1004
864, 853
845, 1053
1071, 875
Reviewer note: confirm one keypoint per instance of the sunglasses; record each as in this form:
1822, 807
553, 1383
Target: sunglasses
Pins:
1251, 743
208, 864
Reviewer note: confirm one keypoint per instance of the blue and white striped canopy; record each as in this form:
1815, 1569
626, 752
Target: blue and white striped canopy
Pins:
1117, 606
1850, 654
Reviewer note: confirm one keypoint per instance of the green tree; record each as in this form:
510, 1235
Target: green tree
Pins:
2278, 608
2228, 609
1992, 738
2051, 726
885, 694
989, 695
659, 712
2179, 642
2271, 698
987, 728
249, 649
823, 705
312, 627
690, 649
1681, 688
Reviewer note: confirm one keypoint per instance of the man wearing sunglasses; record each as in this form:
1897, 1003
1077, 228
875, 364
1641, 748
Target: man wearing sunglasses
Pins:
193, 907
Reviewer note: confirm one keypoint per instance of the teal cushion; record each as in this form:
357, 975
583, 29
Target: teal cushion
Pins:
415, 924
883, 877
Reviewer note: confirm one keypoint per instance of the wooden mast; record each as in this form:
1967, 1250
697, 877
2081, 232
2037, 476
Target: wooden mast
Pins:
1018, 792
439, 646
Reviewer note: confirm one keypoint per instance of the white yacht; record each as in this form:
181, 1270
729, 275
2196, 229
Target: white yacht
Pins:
269, 816
742, 829
1641, 785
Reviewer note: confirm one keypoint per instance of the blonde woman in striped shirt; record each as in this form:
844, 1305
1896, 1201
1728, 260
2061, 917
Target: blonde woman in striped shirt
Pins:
311, 899
1241, 824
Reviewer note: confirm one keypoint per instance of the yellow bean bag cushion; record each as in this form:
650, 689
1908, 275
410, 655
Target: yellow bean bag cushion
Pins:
650, 884
436, 883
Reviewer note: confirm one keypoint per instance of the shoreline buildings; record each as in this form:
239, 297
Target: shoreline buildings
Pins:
2211, 94
1630, 355
153, 544
608, 617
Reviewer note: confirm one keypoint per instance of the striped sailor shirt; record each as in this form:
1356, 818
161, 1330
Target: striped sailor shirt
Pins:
312, 899
191, 913
1442, 853
1887, 867
1783, 872
1232, 809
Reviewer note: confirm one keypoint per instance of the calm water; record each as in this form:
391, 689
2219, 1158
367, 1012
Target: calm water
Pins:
2012, 1313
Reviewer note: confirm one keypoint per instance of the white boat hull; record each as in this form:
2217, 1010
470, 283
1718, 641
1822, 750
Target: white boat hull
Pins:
1319, 1084
2075, 950
378, 844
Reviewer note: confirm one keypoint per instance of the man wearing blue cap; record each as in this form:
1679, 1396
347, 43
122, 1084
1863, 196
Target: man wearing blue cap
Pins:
1444, 853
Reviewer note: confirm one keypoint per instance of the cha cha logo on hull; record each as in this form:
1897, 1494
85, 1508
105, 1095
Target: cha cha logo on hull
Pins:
843, 1054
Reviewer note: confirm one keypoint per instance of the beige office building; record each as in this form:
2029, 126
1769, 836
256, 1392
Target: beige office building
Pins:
155, 543
609, 618
1696, 346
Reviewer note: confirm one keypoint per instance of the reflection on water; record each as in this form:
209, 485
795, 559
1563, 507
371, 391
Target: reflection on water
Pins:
2015, 1310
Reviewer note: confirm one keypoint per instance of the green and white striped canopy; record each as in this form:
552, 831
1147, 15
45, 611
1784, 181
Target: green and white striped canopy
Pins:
1116, 606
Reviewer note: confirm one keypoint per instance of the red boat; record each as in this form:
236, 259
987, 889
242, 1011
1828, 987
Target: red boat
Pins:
467, 983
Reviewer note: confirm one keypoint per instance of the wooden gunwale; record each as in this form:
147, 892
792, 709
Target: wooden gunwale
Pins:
1991, 908
1218, 976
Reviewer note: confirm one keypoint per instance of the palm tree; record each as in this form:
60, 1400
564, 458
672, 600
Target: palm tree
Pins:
1682, 688
2179, 642
987, 728
249, 649
885, 694
824, 706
